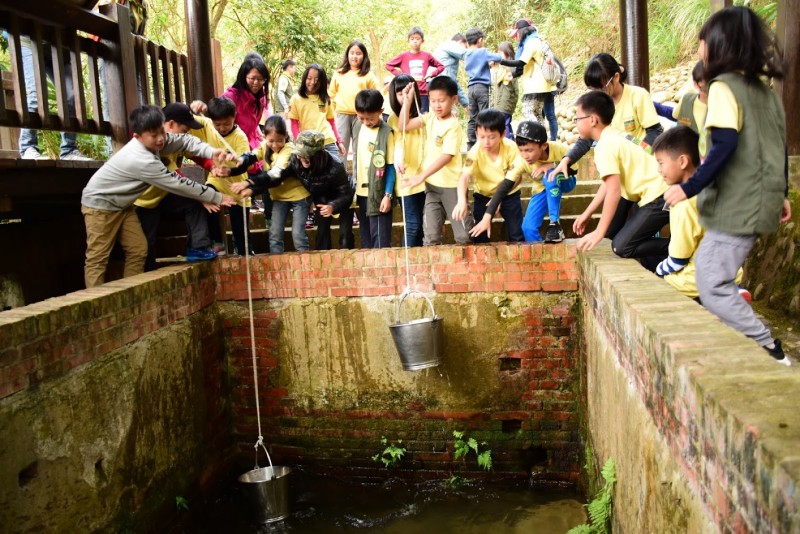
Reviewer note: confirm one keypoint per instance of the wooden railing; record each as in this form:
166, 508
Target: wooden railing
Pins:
95, 57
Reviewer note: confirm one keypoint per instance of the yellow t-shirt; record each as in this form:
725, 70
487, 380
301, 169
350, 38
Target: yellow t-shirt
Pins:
443, 137
723, 112
489, 173
699, 111
291, 189
524, 171
532, 78
635, 112
639, 179
345, 87
686, 233
366, 151
412, 143
312, 114
236, 142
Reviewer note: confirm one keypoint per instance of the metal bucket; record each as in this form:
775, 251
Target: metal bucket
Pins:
267, 491
419, 343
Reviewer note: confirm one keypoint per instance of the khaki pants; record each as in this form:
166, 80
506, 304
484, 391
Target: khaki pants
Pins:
102, 229
439, 204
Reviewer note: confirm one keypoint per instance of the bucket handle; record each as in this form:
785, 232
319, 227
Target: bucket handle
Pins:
261, 442
403, 296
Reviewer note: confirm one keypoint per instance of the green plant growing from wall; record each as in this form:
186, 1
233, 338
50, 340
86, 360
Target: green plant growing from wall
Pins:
181, 503
463, 445
600, 507
392, 454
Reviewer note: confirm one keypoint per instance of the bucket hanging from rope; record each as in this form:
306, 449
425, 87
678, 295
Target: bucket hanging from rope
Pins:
418, 342
266, 488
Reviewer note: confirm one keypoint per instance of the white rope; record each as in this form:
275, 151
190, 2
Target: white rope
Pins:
403, 203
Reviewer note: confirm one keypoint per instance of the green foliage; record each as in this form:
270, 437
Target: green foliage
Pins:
181, 503
600, 508
392, 454
463, 445
456, 481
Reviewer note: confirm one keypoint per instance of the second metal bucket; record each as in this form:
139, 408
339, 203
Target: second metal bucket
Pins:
418, 342
267, 490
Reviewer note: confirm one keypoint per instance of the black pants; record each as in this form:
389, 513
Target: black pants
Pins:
634, 237
375, 230
193, 213
346, 238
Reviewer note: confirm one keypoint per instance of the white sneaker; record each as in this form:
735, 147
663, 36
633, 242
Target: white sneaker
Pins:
74, 155
33, 153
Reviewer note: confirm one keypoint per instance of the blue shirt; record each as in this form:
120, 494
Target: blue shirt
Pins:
476, 63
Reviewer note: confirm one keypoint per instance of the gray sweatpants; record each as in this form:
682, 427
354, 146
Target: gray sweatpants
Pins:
718, 259
439, 204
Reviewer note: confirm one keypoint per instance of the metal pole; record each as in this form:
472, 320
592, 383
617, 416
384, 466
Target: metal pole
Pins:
198, 39
635, 52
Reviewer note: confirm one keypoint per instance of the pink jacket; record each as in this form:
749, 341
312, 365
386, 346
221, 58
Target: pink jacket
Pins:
248, 116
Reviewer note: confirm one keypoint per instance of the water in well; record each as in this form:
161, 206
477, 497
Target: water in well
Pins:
323, 505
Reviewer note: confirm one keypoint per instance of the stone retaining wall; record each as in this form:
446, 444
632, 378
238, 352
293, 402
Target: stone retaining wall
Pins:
703, 424
332, 383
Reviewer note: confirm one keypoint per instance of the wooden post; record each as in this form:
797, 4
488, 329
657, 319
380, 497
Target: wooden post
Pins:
718, 5
198, 39
635, 51
788, 33
120, 77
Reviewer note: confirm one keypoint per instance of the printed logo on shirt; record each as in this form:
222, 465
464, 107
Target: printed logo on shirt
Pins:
371, 146
630, 125
468, 162
439, 141
379, 159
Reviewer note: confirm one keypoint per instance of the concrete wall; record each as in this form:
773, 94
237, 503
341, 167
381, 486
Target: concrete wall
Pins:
111, 404
332, 382
703, 425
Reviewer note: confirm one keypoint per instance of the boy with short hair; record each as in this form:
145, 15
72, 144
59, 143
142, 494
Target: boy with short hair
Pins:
219, 130
284, 88
442, 164
488, 164
476, 63
107, 200
678, 157
539, 157
418, 64
630, 175
155, 202
373, 170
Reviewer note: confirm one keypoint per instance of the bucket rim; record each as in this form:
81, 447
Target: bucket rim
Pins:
278, 472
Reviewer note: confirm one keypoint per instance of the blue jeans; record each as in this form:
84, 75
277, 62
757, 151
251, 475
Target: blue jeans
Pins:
375, 230
280, 210
548, 201
510, 209
30, 138
413, 207
509, 129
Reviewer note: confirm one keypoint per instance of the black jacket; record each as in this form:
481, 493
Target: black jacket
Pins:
330, 186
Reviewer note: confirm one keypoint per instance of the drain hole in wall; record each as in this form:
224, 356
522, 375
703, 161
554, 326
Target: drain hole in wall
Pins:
510, 364
534, 457
100, 470
511, 425
28, 474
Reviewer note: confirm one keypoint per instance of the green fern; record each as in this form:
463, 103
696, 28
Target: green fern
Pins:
601, 506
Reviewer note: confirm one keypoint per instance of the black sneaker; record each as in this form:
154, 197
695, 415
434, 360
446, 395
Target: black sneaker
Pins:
777, 353
554, 233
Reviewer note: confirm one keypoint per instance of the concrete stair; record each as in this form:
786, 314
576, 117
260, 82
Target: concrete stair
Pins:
172, 240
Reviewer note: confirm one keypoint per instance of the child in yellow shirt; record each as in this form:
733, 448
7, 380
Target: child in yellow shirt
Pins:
408, 157
678, 157
630, 175
487, 164
352, 76
537, 158
442, 165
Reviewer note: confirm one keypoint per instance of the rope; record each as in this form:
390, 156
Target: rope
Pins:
403, 206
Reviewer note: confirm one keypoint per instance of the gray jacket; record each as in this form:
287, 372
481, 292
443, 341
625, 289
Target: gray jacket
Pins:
129, 172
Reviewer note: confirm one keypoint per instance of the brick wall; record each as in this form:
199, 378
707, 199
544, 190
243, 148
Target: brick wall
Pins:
508, 375
702, 423
112, 401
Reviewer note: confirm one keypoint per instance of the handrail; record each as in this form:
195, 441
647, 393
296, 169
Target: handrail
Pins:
92, 57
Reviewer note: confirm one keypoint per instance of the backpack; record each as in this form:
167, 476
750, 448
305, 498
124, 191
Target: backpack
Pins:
552, 68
